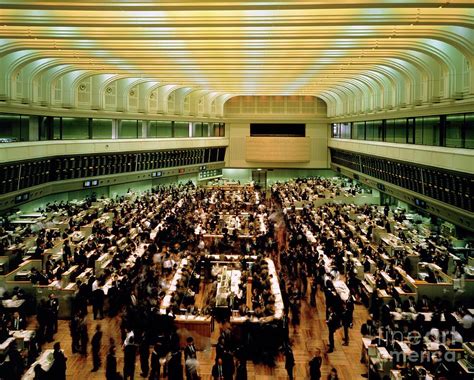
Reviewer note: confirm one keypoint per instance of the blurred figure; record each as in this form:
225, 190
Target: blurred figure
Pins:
96, 343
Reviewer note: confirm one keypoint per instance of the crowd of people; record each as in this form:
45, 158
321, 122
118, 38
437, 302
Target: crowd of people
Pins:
308, 247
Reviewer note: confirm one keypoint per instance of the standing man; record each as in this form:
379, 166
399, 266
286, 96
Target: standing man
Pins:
96, 343
53, 305
97, 300
315, 366
190, 349
189, 354
333, 324
314, 290
218, 370
58, 369
75, 335
289, 362
111, 365
144, 351
129, 355
347, 320
155, 362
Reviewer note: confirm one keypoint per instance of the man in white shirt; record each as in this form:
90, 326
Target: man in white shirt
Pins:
129, 334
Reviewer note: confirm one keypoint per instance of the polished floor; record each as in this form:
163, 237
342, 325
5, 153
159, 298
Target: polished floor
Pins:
311, 334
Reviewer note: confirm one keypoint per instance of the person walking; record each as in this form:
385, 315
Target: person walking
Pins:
144, 351
155, 369
314, 290
96, 343
129, 356
83, 335
289, 362
111, 364
315, 366
346, 321
333, 324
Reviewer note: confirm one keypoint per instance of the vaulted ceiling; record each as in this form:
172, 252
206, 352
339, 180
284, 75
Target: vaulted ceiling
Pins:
356, 55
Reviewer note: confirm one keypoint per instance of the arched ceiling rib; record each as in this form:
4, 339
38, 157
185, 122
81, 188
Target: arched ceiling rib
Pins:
335, 51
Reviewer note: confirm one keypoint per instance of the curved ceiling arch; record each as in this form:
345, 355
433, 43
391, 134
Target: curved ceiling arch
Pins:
391, 53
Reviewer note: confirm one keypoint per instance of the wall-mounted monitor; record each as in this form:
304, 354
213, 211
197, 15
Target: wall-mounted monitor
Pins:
22, 197
277, 130
87, 184
94, 182
156, 174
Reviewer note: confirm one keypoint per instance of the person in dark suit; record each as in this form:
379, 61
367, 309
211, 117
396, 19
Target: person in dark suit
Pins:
144, 351
190, 349
333, 324
175, 368
98, 303
155, 370
18, 323
40, 373
111, 365
241, 370
113, 295
289, 362
346, 320
96, 342
315, 366
218, 370
58, 369
53, 305
129, 356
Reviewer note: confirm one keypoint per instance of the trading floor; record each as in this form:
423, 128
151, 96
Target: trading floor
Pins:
237, 279
235, 190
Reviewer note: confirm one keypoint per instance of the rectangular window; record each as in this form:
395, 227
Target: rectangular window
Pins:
197, 129
431, 130
101, 128
45, 124
57, 134
410, 130
469, 131
74, 128
205, 129
359, 130
400, 131
390, 130
454, 130
128, 129
181, 129
378, 130
419, 130
345, 130
10, 128
25, 128
369, 130
159, 129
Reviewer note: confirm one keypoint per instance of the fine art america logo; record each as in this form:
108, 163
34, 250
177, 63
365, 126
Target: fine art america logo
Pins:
434, 348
